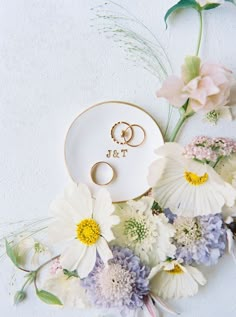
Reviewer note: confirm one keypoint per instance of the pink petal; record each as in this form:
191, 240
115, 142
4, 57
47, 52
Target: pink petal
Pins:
163, 305
149, 304
172, 90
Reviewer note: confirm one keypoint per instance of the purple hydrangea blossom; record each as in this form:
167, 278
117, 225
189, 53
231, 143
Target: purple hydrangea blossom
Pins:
200, 240
123, 283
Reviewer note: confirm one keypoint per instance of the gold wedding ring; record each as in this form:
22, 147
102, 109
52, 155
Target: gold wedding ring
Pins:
127, 134
120, 139
129, 142
102, 168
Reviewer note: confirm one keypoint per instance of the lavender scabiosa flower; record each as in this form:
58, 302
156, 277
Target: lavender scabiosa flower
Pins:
200, 240
208, 149
122, 283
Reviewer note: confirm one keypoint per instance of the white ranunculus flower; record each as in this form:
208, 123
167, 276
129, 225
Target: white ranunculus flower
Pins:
203, 3
187, 187
84, 223
171, 280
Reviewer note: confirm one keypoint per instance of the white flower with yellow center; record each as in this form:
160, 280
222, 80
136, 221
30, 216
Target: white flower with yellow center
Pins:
84, 223
171, 280
189, 188
147, 234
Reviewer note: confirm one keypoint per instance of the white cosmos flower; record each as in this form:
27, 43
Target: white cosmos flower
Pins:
84, 223
67, 289
187, 187
171, 280
147, 234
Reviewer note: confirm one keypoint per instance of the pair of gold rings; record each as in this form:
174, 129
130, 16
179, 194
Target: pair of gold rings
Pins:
124, 133
102, 173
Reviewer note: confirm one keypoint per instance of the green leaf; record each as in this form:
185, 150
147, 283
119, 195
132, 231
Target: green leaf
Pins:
156, 208
70, 274
191, 68
211, 6
48, 298
11, 253
182, 4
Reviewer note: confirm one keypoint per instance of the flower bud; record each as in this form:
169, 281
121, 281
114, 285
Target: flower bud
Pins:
19, 297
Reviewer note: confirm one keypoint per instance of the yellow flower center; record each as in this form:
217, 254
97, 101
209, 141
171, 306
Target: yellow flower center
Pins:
88, 231
176, 270
195, 179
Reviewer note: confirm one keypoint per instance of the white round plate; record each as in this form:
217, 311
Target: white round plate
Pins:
89, 141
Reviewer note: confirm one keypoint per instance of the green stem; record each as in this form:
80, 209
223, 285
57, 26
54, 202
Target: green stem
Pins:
44, 264
39, 268
177, 128
28, 281
200, 33
218, 160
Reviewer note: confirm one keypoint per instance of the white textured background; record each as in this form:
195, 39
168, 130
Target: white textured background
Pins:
53, 65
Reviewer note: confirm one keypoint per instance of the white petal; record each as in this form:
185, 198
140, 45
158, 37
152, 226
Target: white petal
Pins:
226, 190
173, 286
196, 274
169, 149
106, 227
155, 270
61, 209
231, 244
63, 227
88, 261
61, 231
225, 113
155, 171
104, 250
107, 233
103, 205
79, 197
73, 255
69, 291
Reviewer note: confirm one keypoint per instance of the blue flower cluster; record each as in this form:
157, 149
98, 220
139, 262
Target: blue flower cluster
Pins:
123, 283
199, 240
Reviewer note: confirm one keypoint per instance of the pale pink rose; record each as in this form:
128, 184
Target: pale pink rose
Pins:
205, 2
210, 90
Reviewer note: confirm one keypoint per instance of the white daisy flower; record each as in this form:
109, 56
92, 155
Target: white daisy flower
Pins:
187, 187
171, 280
84, 223
67, 289
148, 235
